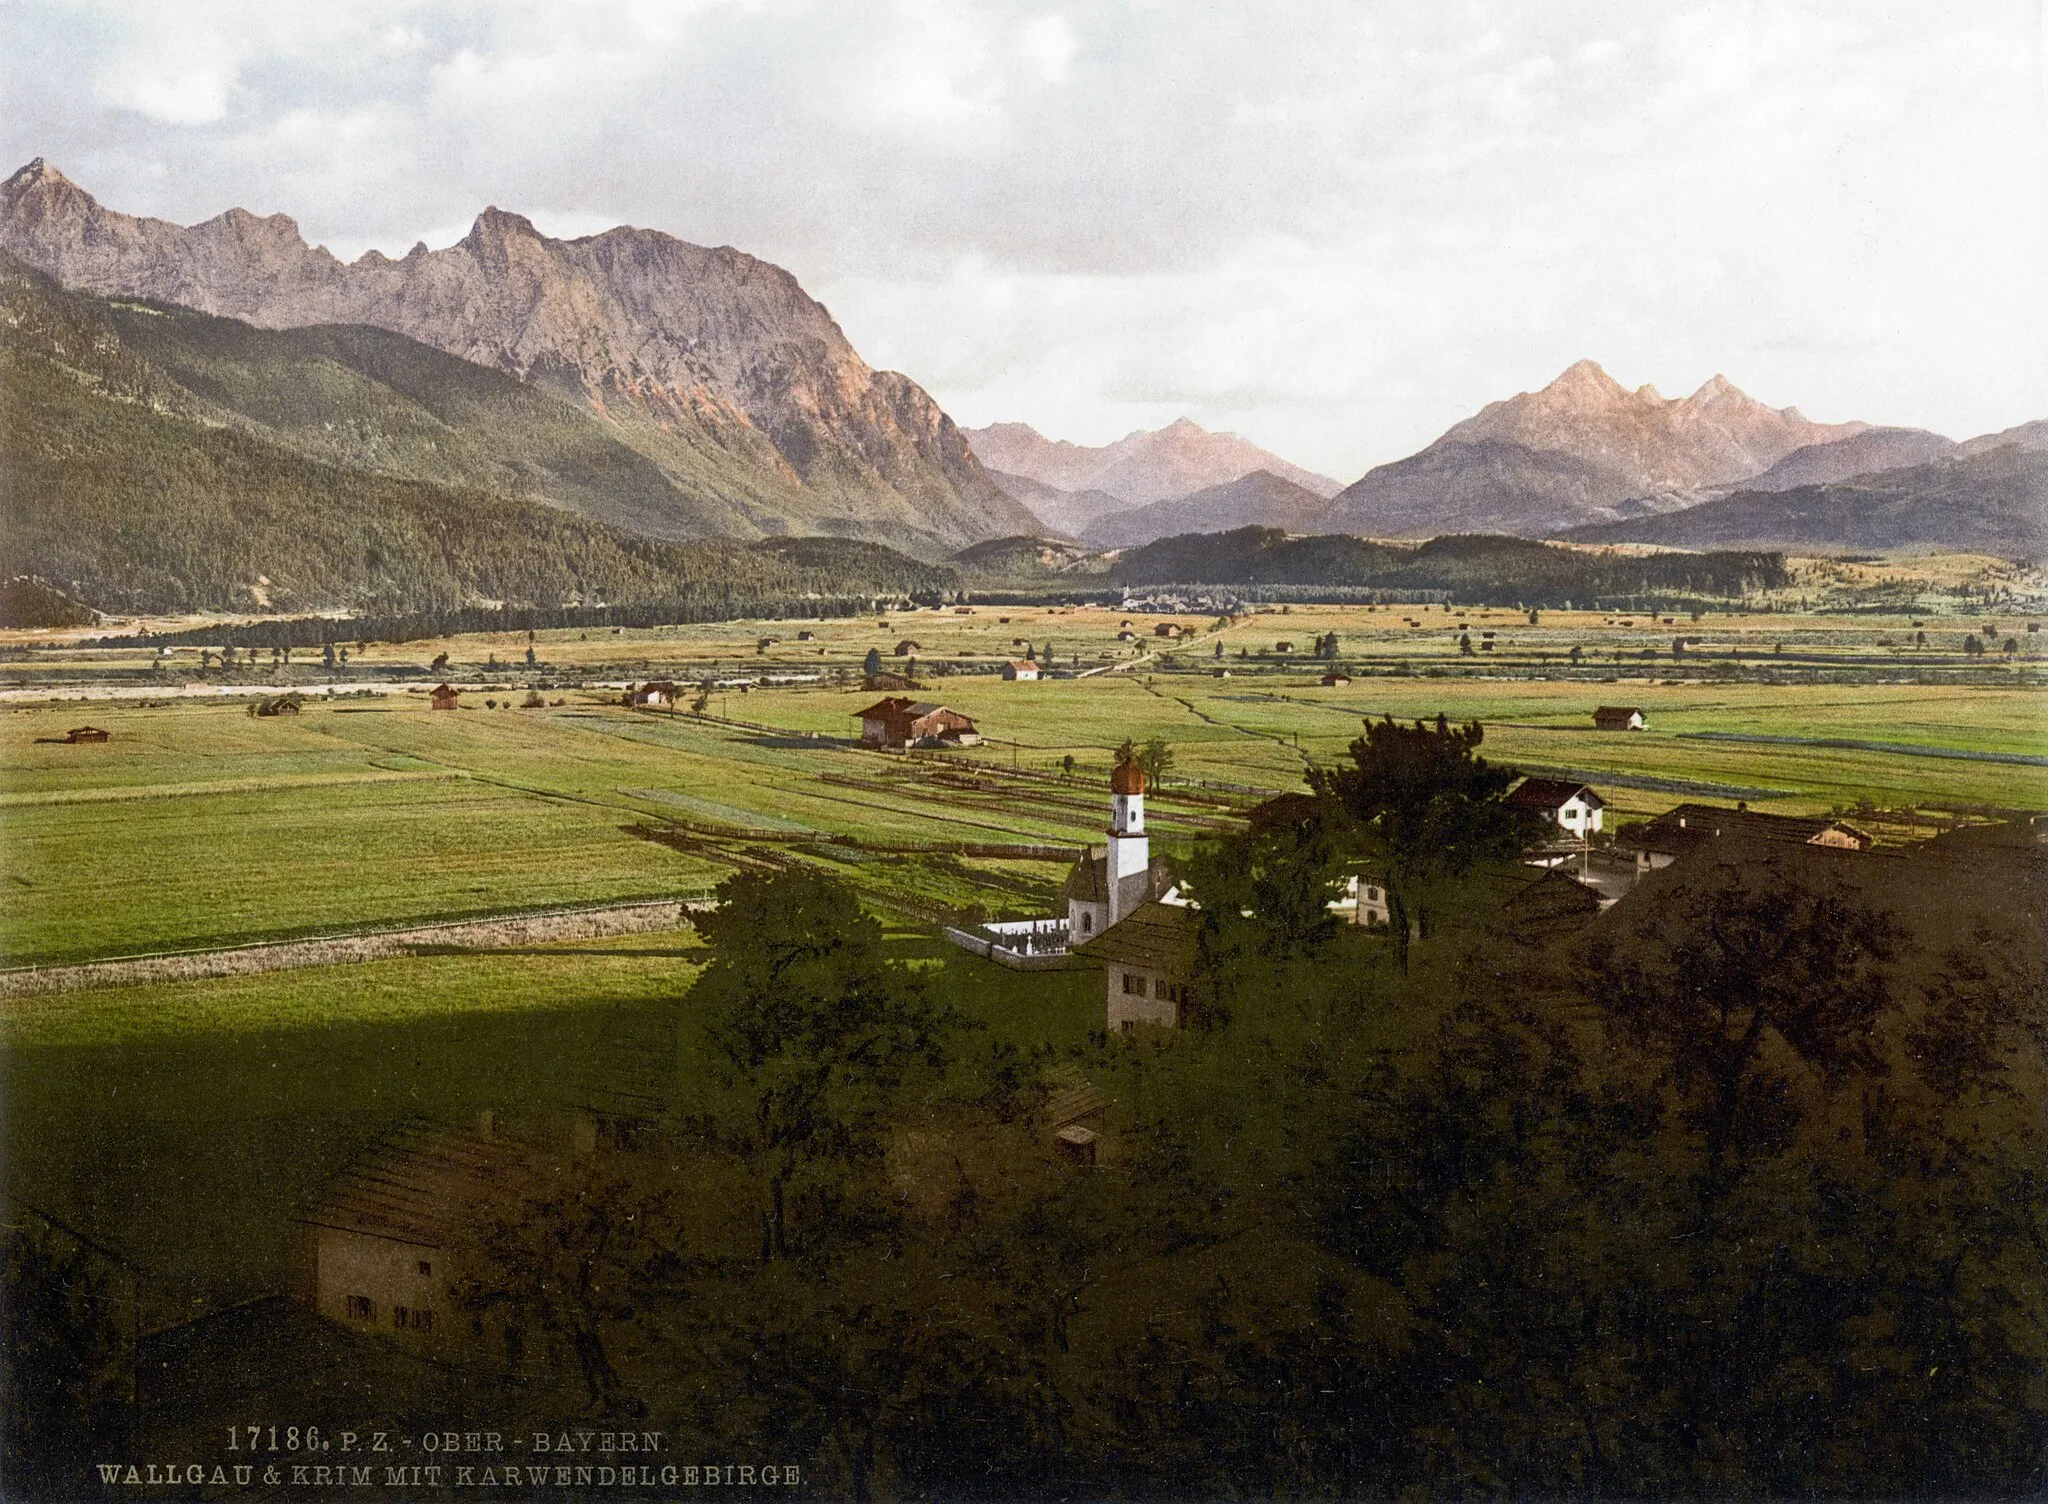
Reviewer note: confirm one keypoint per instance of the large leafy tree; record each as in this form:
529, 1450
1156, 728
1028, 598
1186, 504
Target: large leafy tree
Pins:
1425, 808
1761, 973
811, 1030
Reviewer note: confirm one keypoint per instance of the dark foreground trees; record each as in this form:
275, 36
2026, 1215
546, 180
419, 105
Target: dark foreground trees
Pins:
1746, 1200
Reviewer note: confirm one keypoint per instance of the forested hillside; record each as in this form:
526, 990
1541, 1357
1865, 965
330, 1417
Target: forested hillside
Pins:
155, 461
1476, 567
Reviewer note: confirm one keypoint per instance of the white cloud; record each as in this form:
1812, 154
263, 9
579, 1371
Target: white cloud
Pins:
1333, 227
1049, 42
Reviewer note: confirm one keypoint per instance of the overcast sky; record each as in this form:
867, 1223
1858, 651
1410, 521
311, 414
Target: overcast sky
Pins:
1335, 228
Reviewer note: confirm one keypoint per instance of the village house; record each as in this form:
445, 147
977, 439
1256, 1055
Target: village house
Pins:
274, 705
656, 694
897, 722
1685, 827
1167, 629
1572, 807
1017, 669
444, 696
1335, 681
78, 735
1619, 718
1364, 900
386, 1240
908, 646
1148, 959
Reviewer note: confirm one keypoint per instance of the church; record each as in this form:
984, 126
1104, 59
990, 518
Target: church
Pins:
1107, 884
1125, 910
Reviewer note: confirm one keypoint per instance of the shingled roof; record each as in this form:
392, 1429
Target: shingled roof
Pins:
1088, 878
1684, 826
419, 1185
1155, 936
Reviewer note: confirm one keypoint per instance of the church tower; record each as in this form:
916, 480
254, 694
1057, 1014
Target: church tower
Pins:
1130, 858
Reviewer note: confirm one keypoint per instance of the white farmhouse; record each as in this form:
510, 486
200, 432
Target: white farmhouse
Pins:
1572, 807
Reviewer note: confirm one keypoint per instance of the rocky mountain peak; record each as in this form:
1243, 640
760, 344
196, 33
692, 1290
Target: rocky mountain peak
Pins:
1573, 451
725, 354
498, 225
1717, 388
1586, 378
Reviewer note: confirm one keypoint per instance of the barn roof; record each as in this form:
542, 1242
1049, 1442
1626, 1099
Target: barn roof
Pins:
418, 1186
1156, 936
1685, 825
1071, 1097
1612, 711
893, 705
1551, 793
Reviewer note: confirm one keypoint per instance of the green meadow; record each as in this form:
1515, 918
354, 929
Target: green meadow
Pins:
186, 1123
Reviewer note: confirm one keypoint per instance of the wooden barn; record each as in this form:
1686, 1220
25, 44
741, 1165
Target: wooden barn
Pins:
445, 696
656, 694
1620, 718
80, 734
1018, 669
898, 722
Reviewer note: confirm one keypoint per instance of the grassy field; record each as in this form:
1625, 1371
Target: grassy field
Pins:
199, 825
186, 1124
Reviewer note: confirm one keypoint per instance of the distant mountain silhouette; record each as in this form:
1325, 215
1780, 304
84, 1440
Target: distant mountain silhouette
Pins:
1141, 467
1063, 512
1865, 453
1261, 499
1989, 501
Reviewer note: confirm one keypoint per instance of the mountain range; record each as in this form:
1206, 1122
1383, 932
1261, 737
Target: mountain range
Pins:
715, 367
154, 459
1260, 499
1990, 500
1141, 468
1575, 452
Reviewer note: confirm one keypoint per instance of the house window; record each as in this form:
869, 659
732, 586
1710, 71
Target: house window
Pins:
360, 1308
426, 1267
1134, 985
405, 1318
1087, 923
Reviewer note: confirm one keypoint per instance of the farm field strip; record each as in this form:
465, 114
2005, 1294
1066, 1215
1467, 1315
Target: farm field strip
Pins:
275, 784
1903, 749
